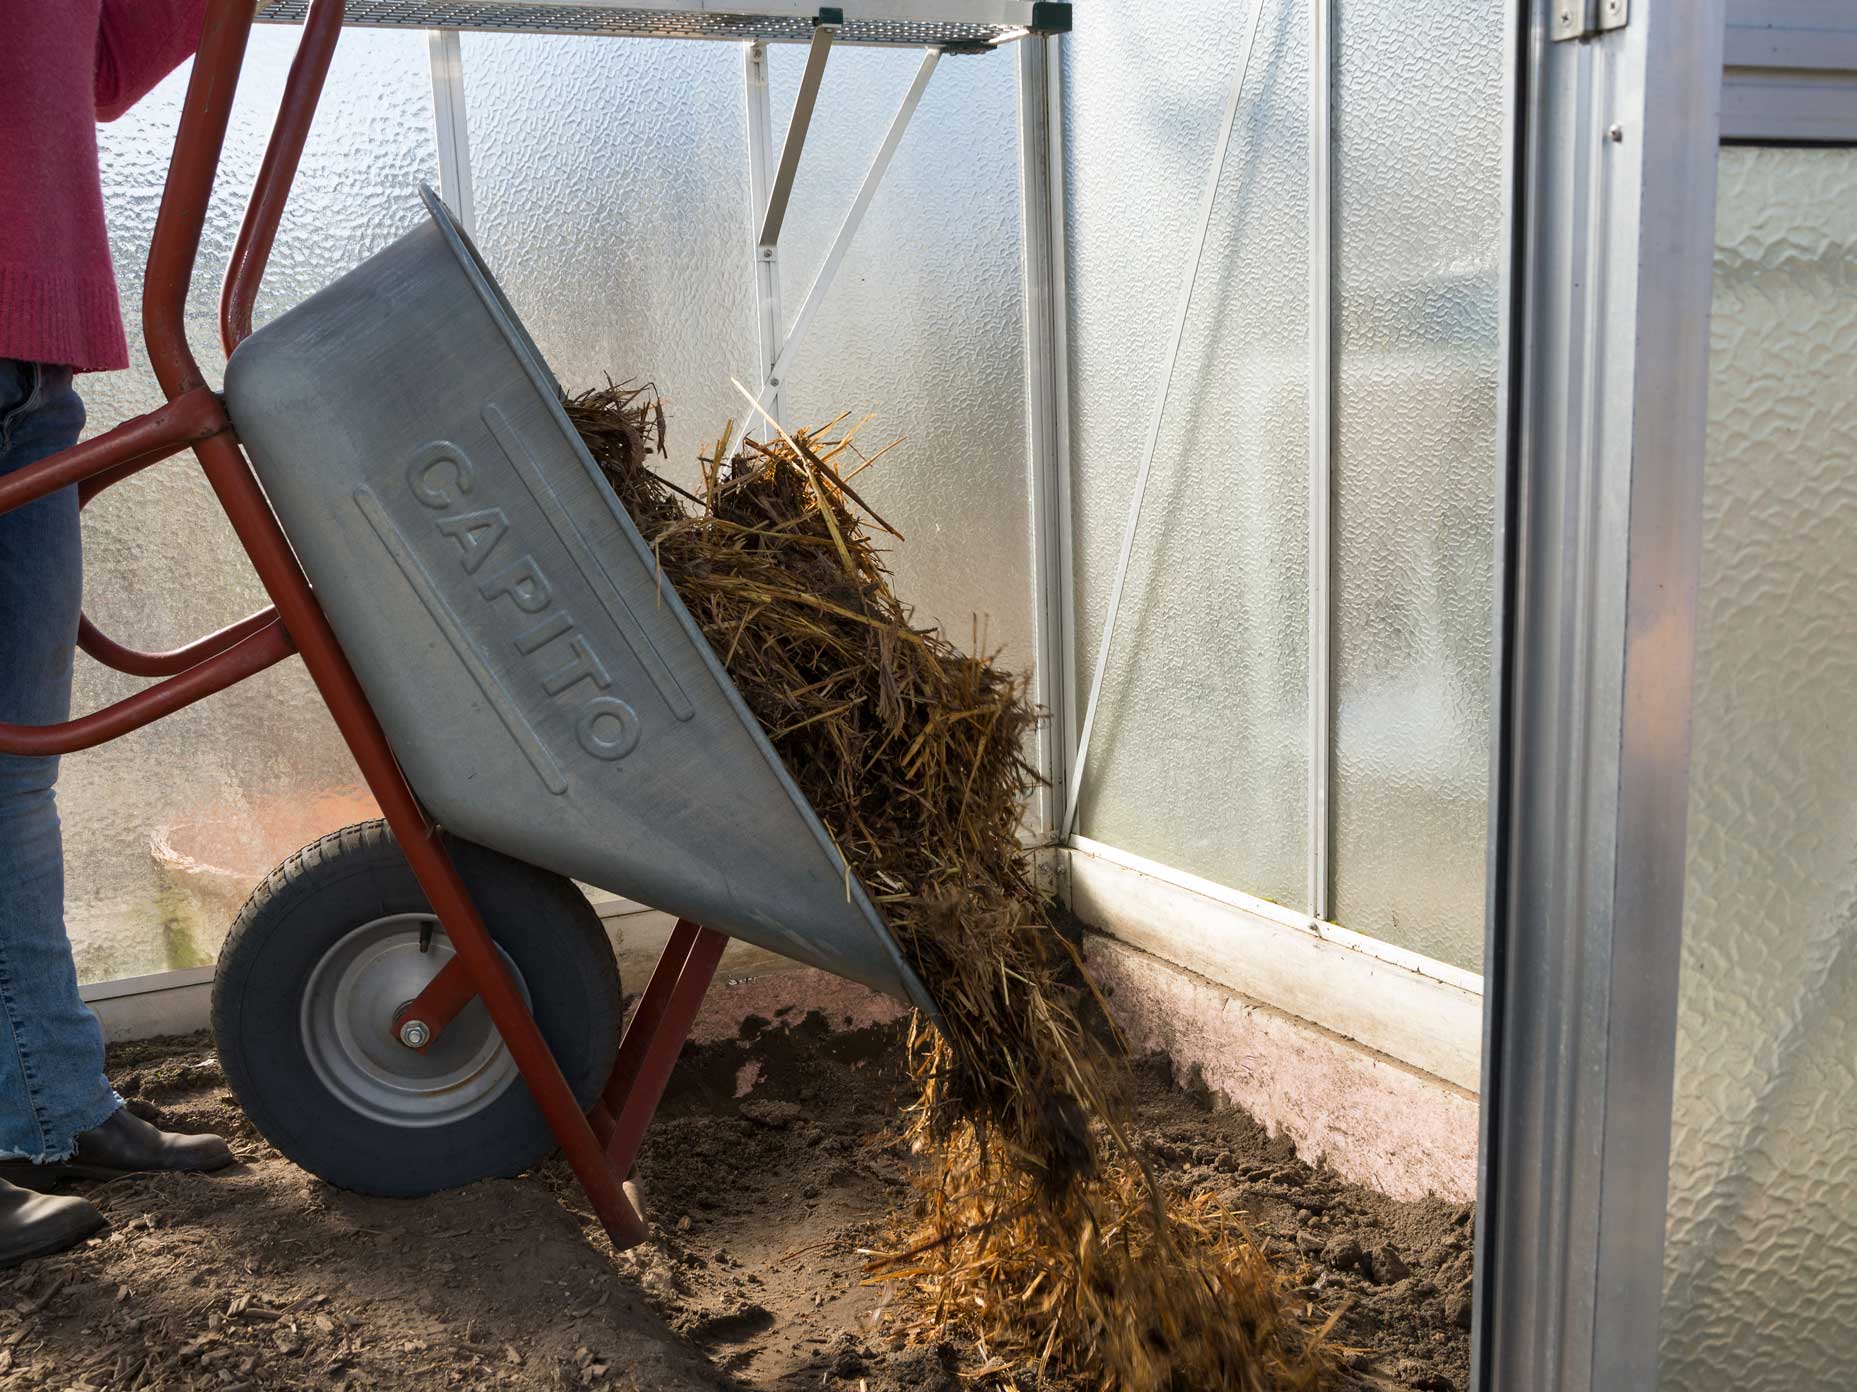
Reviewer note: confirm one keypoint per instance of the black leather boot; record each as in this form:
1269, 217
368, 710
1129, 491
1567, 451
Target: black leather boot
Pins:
35, 1225
125, 1144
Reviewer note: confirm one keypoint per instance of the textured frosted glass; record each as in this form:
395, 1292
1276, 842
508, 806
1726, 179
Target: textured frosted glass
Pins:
1761, 1268
611, 184
167, 829
1199, 756
924, 325
1418, 103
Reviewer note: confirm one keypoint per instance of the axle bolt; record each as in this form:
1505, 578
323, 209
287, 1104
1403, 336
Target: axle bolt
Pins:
414, 1034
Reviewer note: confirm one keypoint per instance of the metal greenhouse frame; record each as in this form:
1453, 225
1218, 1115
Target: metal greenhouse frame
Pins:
1615, 111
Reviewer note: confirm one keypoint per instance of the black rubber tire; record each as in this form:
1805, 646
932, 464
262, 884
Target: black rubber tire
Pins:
310, 903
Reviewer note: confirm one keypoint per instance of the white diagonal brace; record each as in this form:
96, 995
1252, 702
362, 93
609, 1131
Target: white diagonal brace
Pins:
848, 228
803, 104
1154, 425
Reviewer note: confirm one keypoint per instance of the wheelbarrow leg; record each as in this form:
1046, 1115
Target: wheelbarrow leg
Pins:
664, 1012
647, 1052
264, 541
647, 1016
659, 1026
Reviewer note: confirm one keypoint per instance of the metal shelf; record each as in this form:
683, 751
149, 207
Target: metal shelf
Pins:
955, 26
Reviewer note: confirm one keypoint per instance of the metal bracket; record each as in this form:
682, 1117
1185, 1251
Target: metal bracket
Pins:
825, 29
1581, 19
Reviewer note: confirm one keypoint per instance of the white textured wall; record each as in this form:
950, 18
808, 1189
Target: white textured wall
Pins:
1762, 1262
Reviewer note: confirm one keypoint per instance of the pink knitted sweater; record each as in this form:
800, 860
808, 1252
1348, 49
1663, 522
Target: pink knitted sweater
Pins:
64, 65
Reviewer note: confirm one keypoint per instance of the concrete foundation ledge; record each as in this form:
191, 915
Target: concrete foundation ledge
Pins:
1370, 1118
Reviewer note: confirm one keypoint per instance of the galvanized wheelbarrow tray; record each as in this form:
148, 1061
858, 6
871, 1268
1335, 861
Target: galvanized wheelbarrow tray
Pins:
544, 689
525, 697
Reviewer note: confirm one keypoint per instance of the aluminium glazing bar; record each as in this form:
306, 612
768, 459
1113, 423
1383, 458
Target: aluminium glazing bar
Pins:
1206, 201
1611, 192
1321, 452
1047, 398
454, 143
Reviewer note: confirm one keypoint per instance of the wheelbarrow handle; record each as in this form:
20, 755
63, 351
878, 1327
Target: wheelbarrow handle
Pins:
131, 661
197, 148
302, 91
136, 663
266, 647
94, 466
205, 114
176, 244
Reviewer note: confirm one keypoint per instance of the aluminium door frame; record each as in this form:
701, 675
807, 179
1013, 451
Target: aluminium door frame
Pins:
1611, 195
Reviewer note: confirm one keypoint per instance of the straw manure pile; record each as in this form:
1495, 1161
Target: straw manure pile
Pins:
1037, 1228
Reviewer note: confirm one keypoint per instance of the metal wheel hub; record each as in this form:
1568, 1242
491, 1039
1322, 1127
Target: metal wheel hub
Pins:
349, 1035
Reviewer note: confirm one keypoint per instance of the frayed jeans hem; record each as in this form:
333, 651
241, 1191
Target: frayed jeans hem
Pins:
69, 1148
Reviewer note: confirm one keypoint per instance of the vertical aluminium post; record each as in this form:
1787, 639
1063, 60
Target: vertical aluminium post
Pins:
1321, 451
1047, 401
766, 259
1611, 213
454, 143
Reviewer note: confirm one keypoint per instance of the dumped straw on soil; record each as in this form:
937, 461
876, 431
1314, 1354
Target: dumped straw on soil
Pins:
1038, 1229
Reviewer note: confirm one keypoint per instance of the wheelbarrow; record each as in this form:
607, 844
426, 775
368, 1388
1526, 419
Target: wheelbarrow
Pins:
420, 1002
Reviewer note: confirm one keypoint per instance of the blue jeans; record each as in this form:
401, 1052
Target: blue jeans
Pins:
51, 1047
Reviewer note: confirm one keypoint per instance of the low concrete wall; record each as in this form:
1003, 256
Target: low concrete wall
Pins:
1370, 1118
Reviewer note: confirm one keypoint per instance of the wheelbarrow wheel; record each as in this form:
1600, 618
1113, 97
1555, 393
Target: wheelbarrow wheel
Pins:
327, 950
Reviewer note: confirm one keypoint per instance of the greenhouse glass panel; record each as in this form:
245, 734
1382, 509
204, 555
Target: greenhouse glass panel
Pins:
1199, 756
1761, 1262
1418, 155
612, 204
924, 327
167, 829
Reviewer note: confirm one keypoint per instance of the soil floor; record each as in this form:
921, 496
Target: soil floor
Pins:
771, 1165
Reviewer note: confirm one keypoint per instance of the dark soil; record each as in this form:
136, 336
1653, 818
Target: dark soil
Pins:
1400, 1272
771, 1170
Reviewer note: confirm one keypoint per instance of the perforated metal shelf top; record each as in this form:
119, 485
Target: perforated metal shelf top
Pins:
954, 25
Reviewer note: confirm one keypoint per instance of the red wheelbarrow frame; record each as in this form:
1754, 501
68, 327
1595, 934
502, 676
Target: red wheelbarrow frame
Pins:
600, 1144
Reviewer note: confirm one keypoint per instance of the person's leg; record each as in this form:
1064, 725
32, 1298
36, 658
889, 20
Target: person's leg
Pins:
52, 1085
59, 1117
